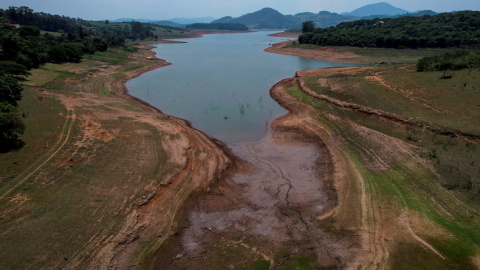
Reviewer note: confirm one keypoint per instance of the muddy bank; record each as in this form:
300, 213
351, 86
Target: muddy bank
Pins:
273, 202
286, 35
200, 158
274, 209
320, 53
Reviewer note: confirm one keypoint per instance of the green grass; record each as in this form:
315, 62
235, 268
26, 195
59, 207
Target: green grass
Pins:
261, 265
406, 183
44, 120
296, 93
111, 56
124, 106
300, 262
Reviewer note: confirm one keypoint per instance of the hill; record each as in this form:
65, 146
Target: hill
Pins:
265, 18
186, 21
132, 19
324, 18
376, 9
272, 19
218, 26
169, 23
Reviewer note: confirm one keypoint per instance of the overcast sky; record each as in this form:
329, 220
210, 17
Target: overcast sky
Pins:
166, 9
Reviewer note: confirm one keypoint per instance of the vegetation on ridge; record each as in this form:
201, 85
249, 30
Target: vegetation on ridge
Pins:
457, 60
439, 31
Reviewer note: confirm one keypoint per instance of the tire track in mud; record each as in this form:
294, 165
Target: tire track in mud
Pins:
372, 237
372, 251
32, 169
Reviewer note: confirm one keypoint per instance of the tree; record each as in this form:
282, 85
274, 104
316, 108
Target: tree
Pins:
15, 70
11, 125
308, 27
10, 90
29, 31
107, 21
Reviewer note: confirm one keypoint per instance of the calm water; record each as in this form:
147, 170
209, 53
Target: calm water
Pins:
220, 83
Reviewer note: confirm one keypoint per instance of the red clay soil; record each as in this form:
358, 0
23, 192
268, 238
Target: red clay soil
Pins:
320, 53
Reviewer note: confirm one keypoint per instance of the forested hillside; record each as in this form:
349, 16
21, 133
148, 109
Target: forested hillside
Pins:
439, 31
29, 39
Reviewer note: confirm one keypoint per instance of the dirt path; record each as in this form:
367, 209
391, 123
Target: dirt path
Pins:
32, 169
420, 240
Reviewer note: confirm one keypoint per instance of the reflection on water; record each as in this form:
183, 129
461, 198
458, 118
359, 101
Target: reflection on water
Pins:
220, 83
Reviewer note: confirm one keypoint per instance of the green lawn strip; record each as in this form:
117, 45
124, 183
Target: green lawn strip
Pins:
111, 56
124, 106
413, 189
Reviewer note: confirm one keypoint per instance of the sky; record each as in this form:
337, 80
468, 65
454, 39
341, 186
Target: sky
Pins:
167, 9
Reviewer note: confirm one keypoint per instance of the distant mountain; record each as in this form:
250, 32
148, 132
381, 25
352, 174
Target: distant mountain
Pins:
175, 22
376, 9
169, 23
132, 19
324, 18
422, 12
192, 20
267, 18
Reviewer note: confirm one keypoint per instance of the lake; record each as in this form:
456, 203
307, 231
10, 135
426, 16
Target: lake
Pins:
220, 83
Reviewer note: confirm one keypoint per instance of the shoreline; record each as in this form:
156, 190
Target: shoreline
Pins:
287, 130
224, 164
322, 54
285, 35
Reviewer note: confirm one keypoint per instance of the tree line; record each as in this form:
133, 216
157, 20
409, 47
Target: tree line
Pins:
11, 124
438, 31
460, 59
26, 47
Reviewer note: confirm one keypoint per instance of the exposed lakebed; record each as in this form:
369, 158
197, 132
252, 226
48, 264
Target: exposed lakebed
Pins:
271, 206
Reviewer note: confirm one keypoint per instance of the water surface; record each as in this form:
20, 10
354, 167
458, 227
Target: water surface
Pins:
221, 82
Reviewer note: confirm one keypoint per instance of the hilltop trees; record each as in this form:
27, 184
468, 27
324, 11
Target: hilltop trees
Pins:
26, 47
439, 31
308, 27
140, 30
457, 60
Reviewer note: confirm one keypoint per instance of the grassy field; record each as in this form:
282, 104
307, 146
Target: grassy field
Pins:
86, 165
416, 181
